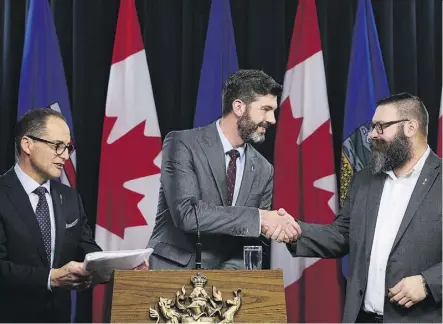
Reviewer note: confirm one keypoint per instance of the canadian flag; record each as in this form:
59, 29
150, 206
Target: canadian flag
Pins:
305, 181
129, 179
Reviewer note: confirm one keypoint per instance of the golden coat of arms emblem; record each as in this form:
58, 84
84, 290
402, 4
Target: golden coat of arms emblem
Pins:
198, 307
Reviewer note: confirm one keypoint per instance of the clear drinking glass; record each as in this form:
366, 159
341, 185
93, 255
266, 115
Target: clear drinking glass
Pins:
252, 257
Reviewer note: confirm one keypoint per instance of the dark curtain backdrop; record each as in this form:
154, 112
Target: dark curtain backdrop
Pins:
174, 32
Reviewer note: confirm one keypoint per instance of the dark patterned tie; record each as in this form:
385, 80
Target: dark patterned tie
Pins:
44, 221
231, 174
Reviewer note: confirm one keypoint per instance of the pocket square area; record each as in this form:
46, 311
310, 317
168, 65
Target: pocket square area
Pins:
69, 225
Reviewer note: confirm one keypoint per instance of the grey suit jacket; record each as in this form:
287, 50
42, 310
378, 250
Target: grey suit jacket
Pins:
417, 248
193, 168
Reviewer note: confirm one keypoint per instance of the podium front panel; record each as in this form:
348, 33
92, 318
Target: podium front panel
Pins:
205, 296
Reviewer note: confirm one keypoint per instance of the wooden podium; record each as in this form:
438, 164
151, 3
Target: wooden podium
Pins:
135, 296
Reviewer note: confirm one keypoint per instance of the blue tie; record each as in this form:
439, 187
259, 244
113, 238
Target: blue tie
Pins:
44, 221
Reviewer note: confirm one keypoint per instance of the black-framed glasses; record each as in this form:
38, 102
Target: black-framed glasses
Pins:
60, 147
379, 127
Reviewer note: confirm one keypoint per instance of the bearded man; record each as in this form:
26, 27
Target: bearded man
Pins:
215, 183
390, 223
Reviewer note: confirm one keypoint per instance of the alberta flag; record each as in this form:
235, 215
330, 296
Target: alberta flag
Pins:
42, 80
367, 83
219, 62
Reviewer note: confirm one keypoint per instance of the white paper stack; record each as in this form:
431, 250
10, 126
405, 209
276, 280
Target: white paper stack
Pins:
103, 263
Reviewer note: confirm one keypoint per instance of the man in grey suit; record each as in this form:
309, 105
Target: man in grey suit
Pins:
390, 223
214, 176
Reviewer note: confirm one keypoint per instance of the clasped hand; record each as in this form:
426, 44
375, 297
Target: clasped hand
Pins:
279, 225
408, 292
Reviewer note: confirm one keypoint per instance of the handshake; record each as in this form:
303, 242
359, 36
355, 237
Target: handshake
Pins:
279, 225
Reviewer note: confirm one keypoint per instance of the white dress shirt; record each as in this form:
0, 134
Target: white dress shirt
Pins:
240, 164
30, 185
395, 198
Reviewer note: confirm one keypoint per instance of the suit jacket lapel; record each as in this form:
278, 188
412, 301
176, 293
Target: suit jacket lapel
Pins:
60, 221
249, 172
424, 183
213, 149
20, 200
372, 207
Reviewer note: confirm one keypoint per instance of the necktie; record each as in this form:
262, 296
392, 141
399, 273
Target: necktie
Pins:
44, 221
231, 173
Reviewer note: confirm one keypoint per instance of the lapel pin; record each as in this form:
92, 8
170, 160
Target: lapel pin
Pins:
61, 199
426, 179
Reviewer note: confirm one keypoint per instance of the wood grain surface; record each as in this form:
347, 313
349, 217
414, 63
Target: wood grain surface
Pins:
134, 292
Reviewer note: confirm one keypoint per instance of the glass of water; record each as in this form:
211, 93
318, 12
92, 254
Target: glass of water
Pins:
252, 257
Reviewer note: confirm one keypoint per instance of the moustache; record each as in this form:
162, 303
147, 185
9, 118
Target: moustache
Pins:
263, 124
377, 143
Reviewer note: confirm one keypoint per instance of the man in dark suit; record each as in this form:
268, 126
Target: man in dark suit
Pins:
44, 235
214, 175
390, 223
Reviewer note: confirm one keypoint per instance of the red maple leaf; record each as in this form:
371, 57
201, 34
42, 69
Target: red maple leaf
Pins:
298, 166
130, 157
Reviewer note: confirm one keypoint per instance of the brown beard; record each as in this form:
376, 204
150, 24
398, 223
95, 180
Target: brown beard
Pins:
247, 128
387, 156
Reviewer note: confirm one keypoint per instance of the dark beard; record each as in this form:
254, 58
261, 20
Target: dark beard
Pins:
387, 156
247, 129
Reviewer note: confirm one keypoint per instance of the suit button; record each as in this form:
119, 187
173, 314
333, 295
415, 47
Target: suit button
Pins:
360, 292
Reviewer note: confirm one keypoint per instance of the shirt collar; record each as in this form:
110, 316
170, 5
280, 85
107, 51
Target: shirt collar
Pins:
415, 171
227, 146
28, 183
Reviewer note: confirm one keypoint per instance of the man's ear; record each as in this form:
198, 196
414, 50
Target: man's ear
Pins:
26, 144
238, 107
411, 127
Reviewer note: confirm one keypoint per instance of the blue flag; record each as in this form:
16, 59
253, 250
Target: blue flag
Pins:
219, 62
42, 77
367, 83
